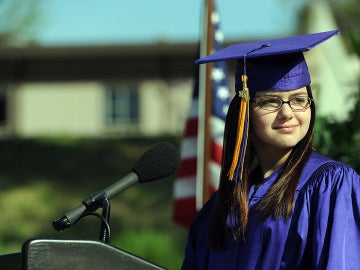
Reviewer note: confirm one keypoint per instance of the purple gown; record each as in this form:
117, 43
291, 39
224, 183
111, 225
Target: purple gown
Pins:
323, 232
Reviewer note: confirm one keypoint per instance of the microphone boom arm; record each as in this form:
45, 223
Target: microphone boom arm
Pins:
159, 161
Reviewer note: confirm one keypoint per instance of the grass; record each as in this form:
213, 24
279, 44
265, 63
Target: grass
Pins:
42, 179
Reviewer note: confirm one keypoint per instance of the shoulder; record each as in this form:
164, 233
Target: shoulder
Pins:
325, 173
326, 214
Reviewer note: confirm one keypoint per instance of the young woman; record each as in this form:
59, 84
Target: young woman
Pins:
280, 204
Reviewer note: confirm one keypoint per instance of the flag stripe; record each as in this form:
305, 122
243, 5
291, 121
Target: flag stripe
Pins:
191, 127
215, 173
187, 167
216, 152
188, 148
184, 210
184, 188
185, 184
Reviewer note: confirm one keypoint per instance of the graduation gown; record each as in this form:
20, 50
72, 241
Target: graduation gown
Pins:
322, 233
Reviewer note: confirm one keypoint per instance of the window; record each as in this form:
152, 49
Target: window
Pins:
122, 104
3, 106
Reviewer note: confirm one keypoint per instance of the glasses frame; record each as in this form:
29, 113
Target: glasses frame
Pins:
259, 100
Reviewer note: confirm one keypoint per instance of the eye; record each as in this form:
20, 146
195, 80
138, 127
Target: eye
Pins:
269, 103
270, 100
300, 100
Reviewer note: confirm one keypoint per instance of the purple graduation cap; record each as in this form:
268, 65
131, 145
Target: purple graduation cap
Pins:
275, 64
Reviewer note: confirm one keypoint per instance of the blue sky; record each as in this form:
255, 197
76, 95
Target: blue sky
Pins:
75, 22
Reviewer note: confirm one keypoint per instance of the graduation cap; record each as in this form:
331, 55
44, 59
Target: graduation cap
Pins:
275, 64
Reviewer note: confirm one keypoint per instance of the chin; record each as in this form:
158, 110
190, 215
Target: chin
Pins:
283, 145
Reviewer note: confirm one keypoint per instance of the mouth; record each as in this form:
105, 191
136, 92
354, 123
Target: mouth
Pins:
285, 128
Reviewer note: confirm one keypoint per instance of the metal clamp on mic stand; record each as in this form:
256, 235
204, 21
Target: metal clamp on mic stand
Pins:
87, 208
95, 201
105, 221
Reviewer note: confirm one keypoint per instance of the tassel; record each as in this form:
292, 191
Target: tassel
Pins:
236, 168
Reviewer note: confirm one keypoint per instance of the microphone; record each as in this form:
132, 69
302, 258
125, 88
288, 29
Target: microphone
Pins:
159, 161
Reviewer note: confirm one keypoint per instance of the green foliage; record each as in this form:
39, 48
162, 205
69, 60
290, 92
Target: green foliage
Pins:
347, 15
19, 21
154, 245
340, 140
42, 179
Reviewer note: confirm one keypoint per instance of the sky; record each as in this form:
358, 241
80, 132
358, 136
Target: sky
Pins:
79, 22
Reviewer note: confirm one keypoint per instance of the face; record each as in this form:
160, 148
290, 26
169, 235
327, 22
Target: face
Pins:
281, 129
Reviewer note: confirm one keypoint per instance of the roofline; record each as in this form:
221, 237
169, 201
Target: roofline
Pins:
100, 62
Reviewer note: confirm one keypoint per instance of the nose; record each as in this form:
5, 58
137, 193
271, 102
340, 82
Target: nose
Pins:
285, 111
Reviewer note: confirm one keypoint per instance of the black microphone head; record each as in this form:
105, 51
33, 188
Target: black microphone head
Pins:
159, 161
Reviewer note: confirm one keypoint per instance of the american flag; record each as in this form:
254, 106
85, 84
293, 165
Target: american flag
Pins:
185, 186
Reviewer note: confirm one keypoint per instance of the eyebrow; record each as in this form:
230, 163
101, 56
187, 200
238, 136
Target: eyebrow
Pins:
301, 93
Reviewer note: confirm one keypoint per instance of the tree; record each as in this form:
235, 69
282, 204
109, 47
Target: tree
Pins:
19, 21
341, 140
347, 15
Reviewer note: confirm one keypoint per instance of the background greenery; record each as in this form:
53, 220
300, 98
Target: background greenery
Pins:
42, 179
340, 140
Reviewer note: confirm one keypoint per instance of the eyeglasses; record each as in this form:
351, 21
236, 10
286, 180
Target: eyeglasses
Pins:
273, 103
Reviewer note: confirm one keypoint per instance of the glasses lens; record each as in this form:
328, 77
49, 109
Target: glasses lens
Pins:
270, 103
274, 103
300, 103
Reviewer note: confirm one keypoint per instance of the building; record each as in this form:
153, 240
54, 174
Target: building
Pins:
139, 89
96, 91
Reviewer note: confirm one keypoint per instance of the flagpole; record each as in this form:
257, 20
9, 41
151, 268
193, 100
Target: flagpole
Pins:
205, 103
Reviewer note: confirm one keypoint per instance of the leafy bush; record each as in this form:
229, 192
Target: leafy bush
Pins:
340, 140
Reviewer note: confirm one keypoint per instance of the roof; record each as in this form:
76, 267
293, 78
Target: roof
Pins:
97, 62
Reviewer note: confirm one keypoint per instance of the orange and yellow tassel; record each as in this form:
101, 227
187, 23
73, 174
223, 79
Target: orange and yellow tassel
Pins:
236, 168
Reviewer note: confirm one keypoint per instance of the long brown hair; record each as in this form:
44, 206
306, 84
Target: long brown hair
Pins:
233, 197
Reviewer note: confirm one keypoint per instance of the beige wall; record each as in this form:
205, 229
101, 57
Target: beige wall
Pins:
78, 109
164, 106
58, 109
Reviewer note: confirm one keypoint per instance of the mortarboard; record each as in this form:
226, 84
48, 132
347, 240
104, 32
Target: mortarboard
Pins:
275, 64
273, 60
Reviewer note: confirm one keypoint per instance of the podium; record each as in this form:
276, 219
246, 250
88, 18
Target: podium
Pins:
48, 254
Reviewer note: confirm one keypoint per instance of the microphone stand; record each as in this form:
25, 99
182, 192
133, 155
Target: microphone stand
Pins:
95, 201
105, 225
